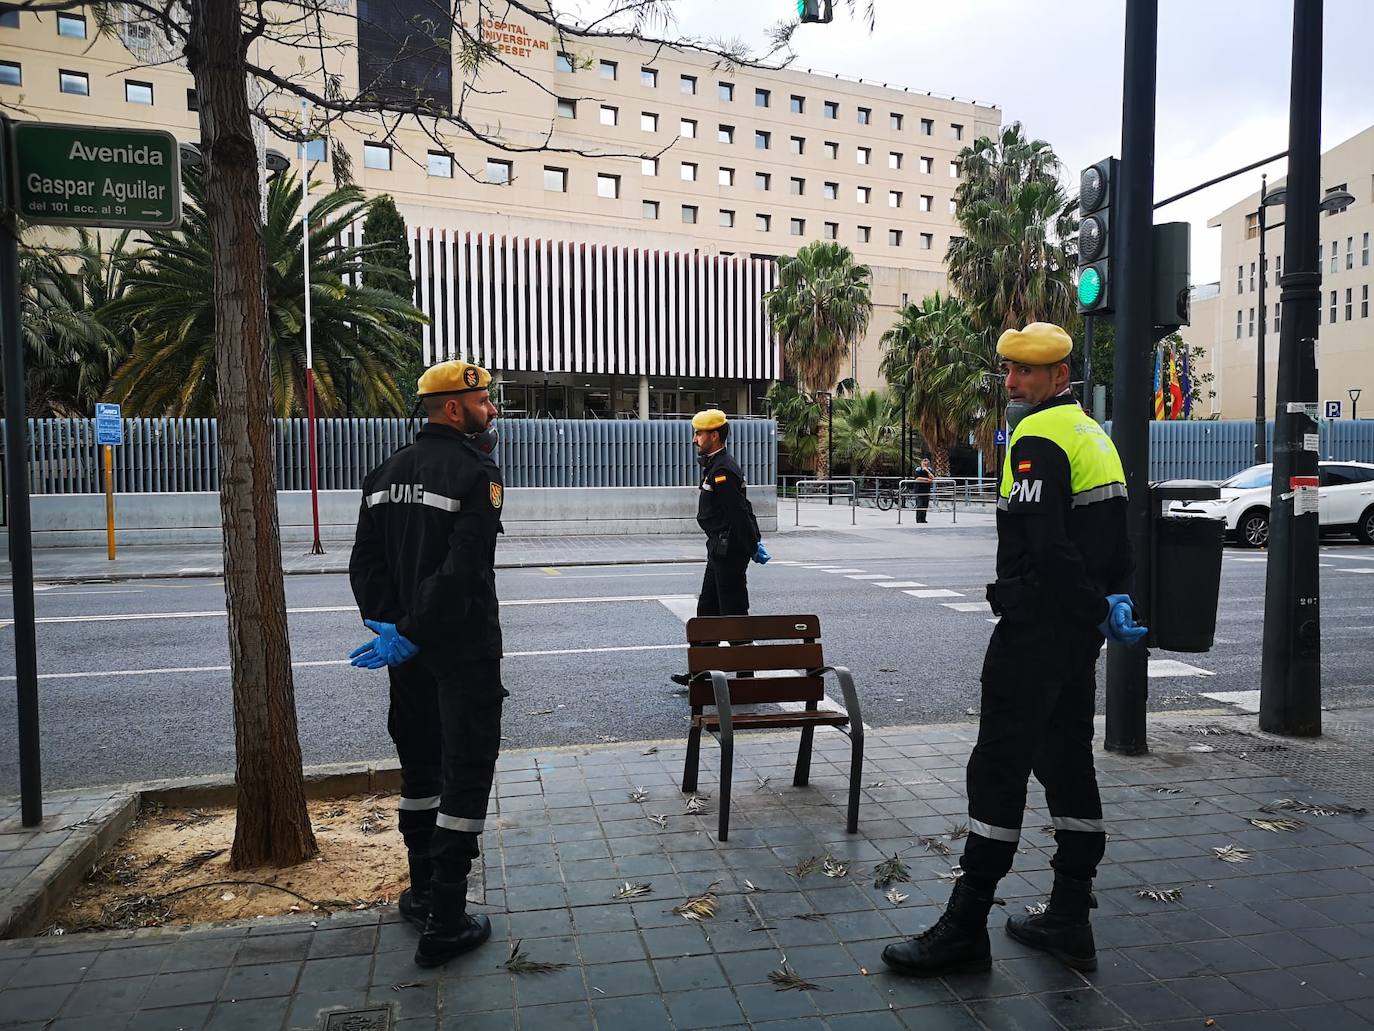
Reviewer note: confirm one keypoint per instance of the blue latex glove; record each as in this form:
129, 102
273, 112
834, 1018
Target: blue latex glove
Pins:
761, 555
1120, 624
388, 648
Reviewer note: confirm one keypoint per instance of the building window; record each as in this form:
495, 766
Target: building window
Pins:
11, 74
498, 172
72, 26
954, 170
957, 131
863, 194
832, 150
894, 198
1240, 279
1349, 303
1349, 252
439, 165
927, 202
725, 177
797, 227
894, 237
1252, 225
609, 115
894, 122
863, 154
927, 165
687, 129
927, 126
762, 140
556, 180
1251, 324
865, 115
315, 150
953, 206
763, 223
648, 77
563, 62
894, 160
649, 209
687, 84
1333, 307
725, 134
1277, 310
77, 83
798, 187
138, 92
648, 122
608, 69
798, 145
1252, 277
762, 98
1364, 251
567, 108
832, 109
378, 156
763, 180
607, 186
727, 219
1334, 189
1335, 256
798, 105
865, 234
927, 241
1239, 322
648, 166
689, 214
831, 191
192, 100
1364, 301
9, 16
727, 91
689, 172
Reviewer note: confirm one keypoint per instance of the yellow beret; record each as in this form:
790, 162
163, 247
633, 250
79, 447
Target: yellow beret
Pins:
452, 378
1040, 343
711, 419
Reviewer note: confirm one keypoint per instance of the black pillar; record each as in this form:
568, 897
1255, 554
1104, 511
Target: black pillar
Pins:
1127, 668
1088, 321
1261, 415
1290, 684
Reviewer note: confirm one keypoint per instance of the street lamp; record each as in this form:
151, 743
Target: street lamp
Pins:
1354, 393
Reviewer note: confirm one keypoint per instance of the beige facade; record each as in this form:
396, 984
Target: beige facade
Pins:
655, 149
1345, 342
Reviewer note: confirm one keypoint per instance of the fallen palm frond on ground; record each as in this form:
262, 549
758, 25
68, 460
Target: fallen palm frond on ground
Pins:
631, 890
519, 963
788, 979
1160, 894
890, 871
700, 907
1313, 808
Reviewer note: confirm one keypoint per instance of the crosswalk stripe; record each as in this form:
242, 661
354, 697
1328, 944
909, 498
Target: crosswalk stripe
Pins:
898, 583
966, 606
868, 576
938, 592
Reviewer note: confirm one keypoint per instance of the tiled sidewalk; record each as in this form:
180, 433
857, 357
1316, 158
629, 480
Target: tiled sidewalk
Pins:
1285, 940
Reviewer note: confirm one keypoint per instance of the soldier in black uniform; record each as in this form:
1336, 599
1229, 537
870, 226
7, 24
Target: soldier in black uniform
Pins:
423, 575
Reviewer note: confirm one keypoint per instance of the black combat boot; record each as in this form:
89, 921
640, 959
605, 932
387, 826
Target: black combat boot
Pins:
1063, 929
451, 930
957, 944
414, 901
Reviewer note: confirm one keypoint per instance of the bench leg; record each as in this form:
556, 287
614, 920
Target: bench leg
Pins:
693, 760
727, 763
803, 775
856, 775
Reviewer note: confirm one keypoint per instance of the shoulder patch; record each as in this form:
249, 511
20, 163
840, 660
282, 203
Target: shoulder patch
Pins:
1023, 467
497, 493
721, 478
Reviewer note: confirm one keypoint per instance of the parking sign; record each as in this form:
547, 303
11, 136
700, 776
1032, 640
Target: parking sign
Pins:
1332, 409
109, 425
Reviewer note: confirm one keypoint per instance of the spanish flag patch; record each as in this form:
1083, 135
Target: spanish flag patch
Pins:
720, 478
1023, 467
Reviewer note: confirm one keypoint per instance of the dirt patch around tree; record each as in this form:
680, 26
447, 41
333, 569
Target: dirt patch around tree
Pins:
172, 867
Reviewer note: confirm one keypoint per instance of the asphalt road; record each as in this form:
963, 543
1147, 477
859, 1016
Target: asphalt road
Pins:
135, 684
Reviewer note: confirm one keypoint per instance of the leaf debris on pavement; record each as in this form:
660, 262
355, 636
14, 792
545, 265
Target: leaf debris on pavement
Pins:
959, 830
750, 887
890, 871
193, 863
804, 867
1160, 894
700, 907
632, 890
788, 979
955, 872
1168, 791
833, 867
936, 845
374, 819
639, 794
519, 963
651, 750
895, 897
1231, 854
1037, 908
658, 819
697, 805
1277, 825
1313, 808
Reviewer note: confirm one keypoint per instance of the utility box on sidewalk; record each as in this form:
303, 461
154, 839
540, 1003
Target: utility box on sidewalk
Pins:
1187, 569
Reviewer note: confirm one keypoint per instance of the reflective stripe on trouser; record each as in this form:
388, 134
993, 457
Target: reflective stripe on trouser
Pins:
1039, 683
446, 724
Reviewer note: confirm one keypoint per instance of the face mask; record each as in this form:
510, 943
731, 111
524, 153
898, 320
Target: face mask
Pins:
486, 440
1016, 411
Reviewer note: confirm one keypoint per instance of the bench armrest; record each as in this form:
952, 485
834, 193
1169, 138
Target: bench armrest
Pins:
724, 712
851, 696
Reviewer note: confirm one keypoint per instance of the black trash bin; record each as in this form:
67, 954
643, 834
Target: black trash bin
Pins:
1187, 570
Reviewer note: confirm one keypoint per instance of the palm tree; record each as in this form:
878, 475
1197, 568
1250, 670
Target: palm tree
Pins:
820, 308
798, 416
868, 431
170, 305
1014, 262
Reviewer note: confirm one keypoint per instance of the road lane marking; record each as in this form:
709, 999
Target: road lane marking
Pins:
550, 571
868, 576
1355, 570
898, 583
966, 606
838, 569
935, 592
1174, 668
1245, 701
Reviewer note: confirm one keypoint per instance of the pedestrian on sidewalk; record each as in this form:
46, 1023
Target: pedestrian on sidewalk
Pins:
726, 517
925, 482
423, 574
1063, 565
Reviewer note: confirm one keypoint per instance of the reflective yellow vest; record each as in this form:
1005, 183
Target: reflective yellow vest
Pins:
1095, 467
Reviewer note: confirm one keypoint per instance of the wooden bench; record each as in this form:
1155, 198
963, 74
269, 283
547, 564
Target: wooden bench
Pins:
725, 676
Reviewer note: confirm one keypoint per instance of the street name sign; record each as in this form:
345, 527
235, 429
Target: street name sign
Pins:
109, 426
83, 175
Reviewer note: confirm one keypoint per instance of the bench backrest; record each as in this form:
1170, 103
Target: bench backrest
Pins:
771, 643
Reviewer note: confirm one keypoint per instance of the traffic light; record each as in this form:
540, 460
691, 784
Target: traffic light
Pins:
815, 11
1097, 188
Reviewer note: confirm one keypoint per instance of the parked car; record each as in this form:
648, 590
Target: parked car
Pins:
1345, 494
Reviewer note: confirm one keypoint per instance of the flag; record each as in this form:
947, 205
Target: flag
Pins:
1187, 387
1159, 388
1175, 389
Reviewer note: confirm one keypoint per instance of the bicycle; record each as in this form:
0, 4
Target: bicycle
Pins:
884, 499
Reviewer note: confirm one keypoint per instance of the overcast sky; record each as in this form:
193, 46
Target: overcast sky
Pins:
1055, 65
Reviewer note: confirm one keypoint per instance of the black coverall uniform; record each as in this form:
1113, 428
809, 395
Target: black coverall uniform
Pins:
424, 559
1060, 551
732, 534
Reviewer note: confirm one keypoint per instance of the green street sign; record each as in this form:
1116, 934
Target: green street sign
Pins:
83, 175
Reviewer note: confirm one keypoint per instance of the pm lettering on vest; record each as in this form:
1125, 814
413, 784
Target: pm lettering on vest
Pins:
1026, 491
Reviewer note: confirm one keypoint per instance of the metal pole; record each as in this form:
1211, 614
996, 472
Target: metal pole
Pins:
1290, 683
1088, 321
316, 548
1261, 415
109, 502
1127, 682
20, 526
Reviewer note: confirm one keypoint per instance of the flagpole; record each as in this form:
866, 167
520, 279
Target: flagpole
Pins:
316, 548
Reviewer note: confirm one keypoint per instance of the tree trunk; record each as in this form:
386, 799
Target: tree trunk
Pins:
823, 439
273, 828
939, 460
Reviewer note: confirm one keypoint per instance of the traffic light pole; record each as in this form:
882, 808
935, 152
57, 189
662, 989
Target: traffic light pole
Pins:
1290, 684
1127, 668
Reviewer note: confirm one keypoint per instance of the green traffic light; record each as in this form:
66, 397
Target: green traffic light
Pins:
1089, 287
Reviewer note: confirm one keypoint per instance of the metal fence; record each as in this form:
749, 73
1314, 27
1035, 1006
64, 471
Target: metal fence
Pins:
183, 454
1217, 450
